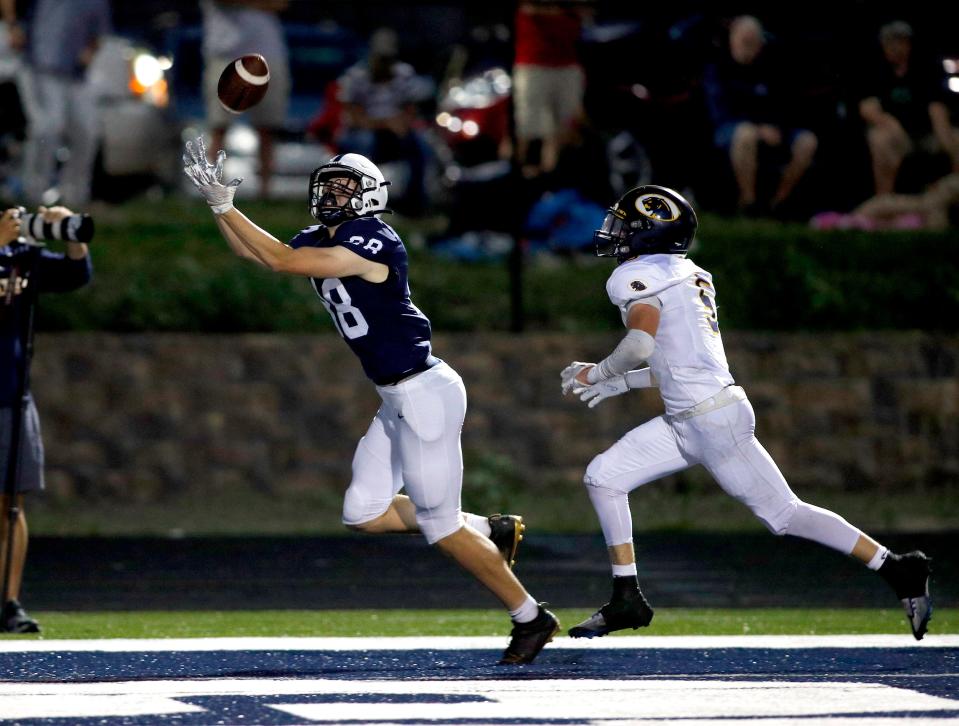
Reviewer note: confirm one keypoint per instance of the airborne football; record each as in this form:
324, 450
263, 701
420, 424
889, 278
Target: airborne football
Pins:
243, 83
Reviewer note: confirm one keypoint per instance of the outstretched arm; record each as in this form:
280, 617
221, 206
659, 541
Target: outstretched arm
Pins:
249, 241
307, 261
235, 243
618, 372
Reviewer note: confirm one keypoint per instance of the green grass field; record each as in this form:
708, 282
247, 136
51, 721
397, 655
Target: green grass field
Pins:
386, 623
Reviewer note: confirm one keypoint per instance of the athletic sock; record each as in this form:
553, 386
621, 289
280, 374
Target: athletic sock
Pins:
624, 570
526, 612
480, 524
625, 588
878, 559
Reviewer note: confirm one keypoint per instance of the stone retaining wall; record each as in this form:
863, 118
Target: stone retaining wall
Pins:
139, 418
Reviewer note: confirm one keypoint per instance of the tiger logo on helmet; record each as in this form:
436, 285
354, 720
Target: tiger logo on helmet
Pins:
647, 220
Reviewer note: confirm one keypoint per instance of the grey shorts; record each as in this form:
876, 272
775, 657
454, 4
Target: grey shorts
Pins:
30, 470
546, 101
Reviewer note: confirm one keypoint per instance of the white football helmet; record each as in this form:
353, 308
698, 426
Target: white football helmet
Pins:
352, 176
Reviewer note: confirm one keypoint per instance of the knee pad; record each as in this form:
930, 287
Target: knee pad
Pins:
777, 515
593, 478
594, 489
359, 509
597, 480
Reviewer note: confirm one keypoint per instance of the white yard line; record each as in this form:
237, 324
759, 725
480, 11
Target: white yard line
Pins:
779, 642
586, 701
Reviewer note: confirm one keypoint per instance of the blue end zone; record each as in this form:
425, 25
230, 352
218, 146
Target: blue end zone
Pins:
930, 671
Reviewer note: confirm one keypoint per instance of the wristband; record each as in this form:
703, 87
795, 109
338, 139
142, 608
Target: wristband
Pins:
641, 378
219, 209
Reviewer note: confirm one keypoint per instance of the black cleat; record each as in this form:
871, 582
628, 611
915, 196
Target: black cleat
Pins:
908, 575
527, 639
506, 533
14, 619
617, 614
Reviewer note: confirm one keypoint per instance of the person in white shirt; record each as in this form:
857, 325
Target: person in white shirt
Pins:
233, 28
668, 305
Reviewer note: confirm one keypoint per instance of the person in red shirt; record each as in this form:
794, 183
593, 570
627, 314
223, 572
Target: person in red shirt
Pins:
548, 80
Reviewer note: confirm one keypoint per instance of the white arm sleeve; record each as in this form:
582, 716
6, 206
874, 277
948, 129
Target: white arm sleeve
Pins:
632, 350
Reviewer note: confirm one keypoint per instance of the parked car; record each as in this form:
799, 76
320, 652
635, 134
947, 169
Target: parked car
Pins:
138, 141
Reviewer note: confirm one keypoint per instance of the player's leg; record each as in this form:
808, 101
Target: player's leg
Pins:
371, 502
431, 415
373, 506
430, 410
646, 453
505, 531
744, 469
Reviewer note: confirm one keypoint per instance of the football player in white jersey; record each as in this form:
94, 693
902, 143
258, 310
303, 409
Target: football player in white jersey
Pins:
668, 305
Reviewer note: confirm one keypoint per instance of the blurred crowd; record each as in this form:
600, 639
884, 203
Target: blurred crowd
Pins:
522, 118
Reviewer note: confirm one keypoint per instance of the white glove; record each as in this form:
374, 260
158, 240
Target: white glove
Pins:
569, 374
208, 178
601, 391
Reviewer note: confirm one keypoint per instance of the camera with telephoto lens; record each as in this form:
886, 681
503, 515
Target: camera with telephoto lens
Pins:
72, 228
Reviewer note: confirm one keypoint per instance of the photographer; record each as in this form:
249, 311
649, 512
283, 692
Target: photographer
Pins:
25, 268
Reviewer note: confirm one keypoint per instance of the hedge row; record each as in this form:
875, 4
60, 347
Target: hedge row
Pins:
162, 266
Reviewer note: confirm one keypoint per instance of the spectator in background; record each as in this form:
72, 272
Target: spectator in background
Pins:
59, 44
548, 82
903, 109
932, 209
232, 28
52, 272
380, 116
747, 112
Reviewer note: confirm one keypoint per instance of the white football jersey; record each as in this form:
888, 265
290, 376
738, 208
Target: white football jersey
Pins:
689, 361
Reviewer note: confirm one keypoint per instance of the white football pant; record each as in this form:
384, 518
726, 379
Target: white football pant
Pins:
724, 442
413, 443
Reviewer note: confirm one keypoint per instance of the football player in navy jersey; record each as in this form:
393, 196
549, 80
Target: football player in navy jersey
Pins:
358, 267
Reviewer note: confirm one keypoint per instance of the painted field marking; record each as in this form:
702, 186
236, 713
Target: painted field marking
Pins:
584, 700
877, 690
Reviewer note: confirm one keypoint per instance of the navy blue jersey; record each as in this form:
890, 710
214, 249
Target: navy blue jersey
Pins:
378, 321
46, 272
